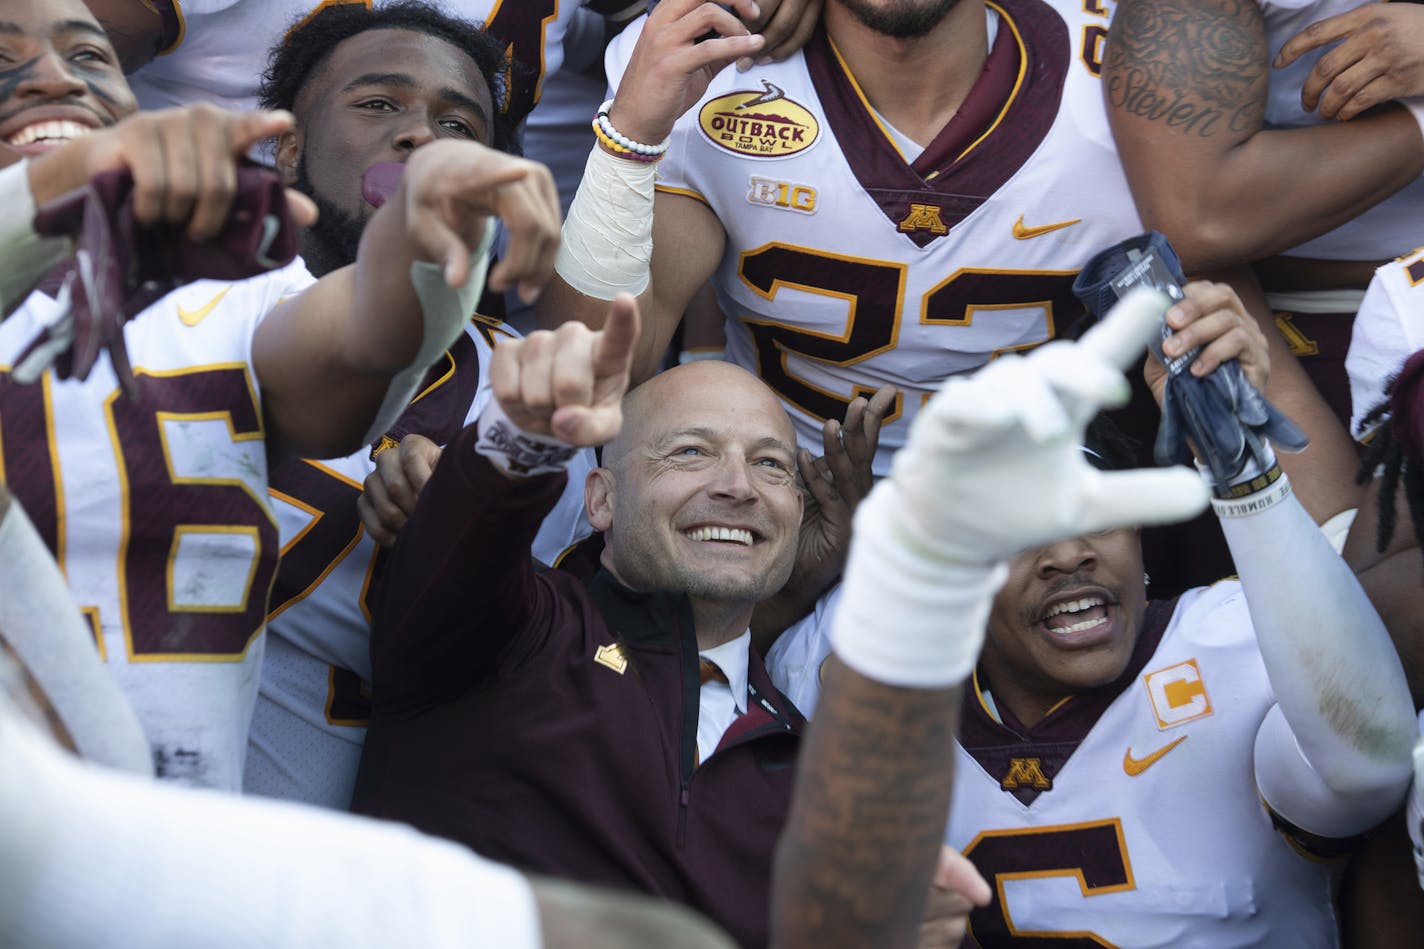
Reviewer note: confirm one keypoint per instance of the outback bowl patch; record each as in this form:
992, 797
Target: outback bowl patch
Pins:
762, 124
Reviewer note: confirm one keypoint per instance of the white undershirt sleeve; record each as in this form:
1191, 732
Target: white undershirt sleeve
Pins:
1333, 758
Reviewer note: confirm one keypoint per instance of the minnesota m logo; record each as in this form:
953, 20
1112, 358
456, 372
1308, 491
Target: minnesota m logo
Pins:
1026, 772
924, 217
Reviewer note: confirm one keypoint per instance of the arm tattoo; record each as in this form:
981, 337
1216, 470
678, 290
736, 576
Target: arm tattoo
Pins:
1199, 66
872, 797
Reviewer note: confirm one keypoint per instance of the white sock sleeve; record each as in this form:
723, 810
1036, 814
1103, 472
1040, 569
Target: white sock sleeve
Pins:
90, 857
1343, 763
39, 621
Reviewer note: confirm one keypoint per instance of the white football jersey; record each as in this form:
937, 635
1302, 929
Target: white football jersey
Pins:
155, 507
1386, 230
310, 721
1128, 816
1388, 329
848, 267
219, 50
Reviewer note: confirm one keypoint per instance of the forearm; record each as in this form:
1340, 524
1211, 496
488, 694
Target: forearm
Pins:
457, 586
855, 862
341, 361
607, 249
1332, 667
1186, 85
1227, 209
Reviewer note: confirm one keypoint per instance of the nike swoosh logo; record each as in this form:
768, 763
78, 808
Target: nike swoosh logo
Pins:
1022, 232
1135, 766
194, 317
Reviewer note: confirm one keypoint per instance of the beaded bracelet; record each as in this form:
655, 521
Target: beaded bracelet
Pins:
618, 150
621, 144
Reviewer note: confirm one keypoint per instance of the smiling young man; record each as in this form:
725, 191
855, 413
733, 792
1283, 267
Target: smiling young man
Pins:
620, 731
1154, 774
368, 87
153, 500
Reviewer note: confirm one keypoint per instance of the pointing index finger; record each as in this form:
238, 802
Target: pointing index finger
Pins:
1132, 323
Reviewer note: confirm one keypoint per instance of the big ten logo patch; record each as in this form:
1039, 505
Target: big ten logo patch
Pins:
1178, 694
759, 124
786, 195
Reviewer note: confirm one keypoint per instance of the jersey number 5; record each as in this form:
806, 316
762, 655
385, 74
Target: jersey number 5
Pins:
1095, 853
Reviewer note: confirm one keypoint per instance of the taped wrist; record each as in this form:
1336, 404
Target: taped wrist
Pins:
608, 233
515, 451
27, 256
1259, 488
907, 618
444, 310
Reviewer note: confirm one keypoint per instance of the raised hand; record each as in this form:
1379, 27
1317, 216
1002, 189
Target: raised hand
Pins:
568, 383
785, 25
670, 69
993, 464
183, 162
451, 188
391, 491
837, 482
1380, 57
1213, 317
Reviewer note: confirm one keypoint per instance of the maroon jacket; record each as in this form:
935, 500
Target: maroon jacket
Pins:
551, 723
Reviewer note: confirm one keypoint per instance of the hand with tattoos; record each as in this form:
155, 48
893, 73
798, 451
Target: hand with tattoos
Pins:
1186, 84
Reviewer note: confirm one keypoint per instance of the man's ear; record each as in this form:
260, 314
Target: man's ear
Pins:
288, 154
598, 498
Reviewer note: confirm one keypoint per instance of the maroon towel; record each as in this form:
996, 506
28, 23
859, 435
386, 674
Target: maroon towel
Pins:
120, 267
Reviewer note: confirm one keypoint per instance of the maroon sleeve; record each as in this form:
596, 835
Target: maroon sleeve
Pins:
459, 585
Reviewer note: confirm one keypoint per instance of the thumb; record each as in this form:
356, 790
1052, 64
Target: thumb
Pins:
956, 874
249, 128
1114, 499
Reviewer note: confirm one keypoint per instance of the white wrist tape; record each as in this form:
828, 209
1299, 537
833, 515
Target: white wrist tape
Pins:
27, 256
608, 233
1415, 106
445, 310
515, 451
907, 618
1251, 504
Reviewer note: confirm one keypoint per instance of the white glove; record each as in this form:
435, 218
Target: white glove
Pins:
994, 466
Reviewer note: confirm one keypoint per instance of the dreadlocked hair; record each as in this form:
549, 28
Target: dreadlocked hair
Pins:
309, 44
1387, 456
